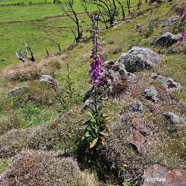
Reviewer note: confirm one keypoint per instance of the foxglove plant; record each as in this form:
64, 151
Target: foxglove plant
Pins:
95, 127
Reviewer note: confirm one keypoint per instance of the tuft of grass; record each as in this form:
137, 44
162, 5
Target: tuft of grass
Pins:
45, 168
3, 164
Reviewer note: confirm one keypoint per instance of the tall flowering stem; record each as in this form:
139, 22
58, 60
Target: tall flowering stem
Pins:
96, 56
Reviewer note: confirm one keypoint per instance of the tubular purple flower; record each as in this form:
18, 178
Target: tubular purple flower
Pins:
54, 85
183, 37
151, 11
182, 12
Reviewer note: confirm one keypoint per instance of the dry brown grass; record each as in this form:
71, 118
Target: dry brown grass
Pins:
31, 168
8, 122
30, 71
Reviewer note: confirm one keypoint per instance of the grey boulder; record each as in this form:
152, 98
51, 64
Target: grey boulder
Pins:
167, 39
139, 58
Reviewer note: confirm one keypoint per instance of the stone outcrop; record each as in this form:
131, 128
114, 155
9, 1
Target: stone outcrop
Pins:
115, 77
114, 81
139, 58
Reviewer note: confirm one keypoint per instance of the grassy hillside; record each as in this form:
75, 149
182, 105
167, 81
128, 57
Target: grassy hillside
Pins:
36, 120
35, 24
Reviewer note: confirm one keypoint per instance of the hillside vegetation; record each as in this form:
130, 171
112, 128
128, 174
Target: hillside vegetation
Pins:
42, 124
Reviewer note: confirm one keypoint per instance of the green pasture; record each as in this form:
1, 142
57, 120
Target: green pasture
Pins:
9, 2
35, 23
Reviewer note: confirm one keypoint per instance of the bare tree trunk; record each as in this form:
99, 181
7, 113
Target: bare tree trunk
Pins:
68, 8
128, 6
122, 9
56, 2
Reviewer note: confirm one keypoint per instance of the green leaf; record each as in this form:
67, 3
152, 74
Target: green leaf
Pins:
87, 134
83, 127
93, 143
104, 133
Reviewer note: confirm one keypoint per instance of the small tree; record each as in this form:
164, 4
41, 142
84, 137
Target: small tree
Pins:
68, 8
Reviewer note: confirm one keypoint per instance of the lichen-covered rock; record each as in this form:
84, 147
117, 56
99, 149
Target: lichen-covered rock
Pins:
158, 175
150, 94
41, 168
47, 79
167, 82
167, 39
171, 117
16, 90
139, 58
136, 106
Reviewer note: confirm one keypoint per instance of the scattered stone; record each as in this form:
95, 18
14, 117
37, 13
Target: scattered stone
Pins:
167, 39
136, 107
150, 94
16, 90
139, 125
139, 58
47, 78
170, 21
157, 175
167, 82
131, 78
171, 117
137, 139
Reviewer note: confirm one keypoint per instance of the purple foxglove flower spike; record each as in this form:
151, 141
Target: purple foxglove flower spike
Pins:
96, 56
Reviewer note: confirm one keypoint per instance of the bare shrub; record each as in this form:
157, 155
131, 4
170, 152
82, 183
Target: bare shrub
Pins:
31, 168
